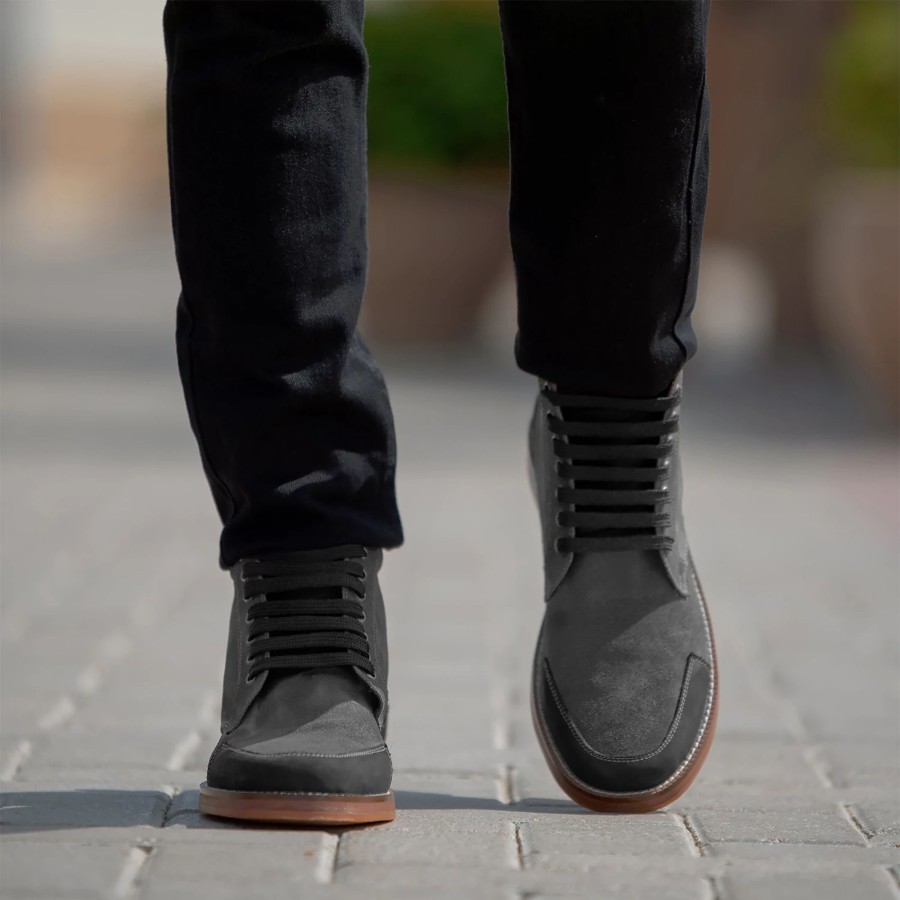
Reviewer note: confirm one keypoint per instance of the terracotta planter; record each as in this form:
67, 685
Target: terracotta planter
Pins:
93, 158
858, 279
435, 251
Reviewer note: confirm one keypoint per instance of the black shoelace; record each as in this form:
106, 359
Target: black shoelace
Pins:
309, 611
613, 456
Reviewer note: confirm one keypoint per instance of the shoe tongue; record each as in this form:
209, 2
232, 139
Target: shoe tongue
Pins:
330, 703
318, 688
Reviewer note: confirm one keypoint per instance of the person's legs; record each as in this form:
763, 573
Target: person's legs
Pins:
267, 137
608, 137
608, 123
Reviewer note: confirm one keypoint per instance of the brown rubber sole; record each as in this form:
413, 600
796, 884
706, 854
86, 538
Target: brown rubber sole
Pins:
643, 801
297, 809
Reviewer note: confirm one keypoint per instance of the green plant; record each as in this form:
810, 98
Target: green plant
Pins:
862, 85
436, 90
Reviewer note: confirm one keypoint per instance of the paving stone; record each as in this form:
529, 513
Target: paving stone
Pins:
84, 777
863, 763
90, 745
416, 881
51, 808
813, 825
60, 869
793, 857
275, 889
869, 886
412, 882
706, 796
633, 886
880, 820
451, 838
424, 790
221, 870
759, 764
582, 843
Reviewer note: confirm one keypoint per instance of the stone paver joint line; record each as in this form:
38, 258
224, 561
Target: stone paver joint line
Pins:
133, 870
507, 789
173, 793
327, 857
58, 714
893, 874
813, 756
696, 844
853, 818
714, 888
184, 751
16, 759
520, 845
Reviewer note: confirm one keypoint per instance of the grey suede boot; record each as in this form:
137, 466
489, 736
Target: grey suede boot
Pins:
304, 704
624, 691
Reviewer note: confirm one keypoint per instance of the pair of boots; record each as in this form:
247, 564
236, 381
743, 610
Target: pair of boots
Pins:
624, 688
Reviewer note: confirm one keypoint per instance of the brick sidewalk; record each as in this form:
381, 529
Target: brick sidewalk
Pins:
114, 620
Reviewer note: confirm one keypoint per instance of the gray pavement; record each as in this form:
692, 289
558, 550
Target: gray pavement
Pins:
114, 617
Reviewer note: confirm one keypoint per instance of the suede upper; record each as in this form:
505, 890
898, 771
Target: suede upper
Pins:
623, 673
317, 730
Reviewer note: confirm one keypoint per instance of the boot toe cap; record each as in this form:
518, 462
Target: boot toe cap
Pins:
357, 772
625, 773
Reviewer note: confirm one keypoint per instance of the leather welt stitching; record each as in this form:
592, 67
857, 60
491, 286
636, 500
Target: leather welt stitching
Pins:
673, 728
707, 713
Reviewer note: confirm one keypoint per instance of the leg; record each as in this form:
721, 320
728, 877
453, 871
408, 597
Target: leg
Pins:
267, 165
608, 126
267, 168
608, 123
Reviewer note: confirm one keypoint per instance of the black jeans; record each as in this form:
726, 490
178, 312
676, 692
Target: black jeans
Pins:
267, 147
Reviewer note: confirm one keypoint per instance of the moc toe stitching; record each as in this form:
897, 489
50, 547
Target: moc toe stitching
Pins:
673, 728
644, 774
302, 754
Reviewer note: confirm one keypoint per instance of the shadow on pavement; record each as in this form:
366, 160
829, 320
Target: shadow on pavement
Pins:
26, 812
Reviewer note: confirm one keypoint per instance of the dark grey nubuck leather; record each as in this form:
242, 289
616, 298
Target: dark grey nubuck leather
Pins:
304, 702
623, 679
